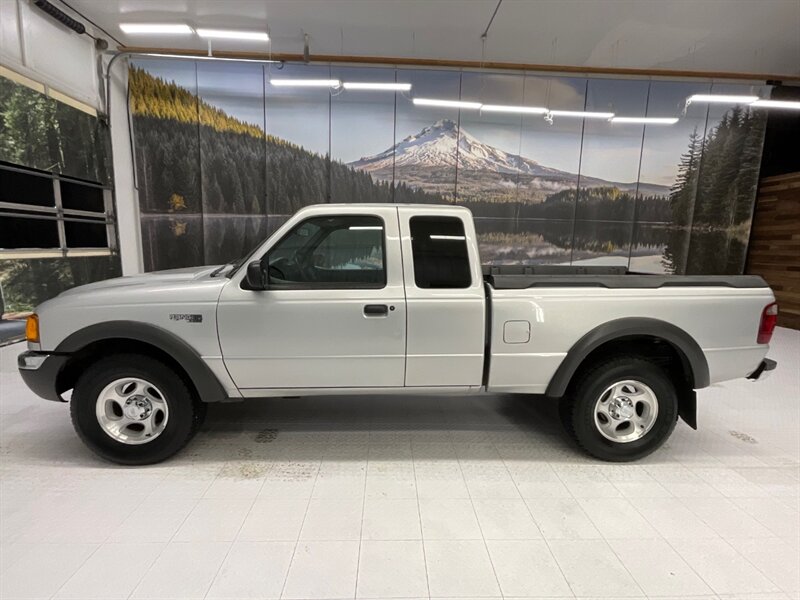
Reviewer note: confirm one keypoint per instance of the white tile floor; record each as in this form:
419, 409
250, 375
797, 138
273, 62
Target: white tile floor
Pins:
407, 498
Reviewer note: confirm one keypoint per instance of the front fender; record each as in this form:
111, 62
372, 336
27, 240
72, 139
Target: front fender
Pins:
205, 382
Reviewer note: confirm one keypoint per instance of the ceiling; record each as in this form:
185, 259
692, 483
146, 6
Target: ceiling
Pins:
700, 35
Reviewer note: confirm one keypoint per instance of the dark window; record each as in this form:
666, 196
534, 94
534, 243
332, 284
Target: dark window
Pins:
330, 252
440, 252
81, 234
28, 232
81, 197
22, 188
38, 222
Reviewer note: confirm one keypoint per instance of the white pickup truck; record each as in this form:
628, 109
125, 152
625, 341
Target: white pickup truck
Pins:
392, 299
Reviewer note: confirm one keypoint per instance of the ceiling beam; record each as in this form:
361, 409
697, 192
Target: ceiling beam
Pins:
470, 64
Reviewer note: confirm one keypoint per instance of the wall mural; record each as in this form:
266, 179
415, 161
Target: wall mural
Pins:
224, 156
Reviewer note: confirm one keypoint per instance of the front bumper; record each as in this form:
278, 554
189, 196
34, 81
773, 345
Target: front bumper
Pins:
763, 371
39, 371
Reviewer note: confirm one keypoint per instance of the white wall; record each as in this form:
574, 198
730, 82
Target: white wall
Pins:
128, 223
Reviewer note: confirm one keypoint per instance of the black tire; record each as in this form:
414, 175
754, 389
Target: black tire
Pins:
185, 412
565, 414
578, 408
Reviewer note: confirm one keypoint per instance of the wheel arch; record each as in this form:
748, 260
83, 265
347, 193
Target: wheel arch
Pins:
646, 337
101, 339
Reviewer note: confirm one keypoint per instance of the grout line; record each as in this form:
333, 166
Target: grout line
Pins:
302, 524
662, 537
361, 527
238, 531
477, 519
602, 537
105, 542
528, 509
174, 533
725, 540
419, 517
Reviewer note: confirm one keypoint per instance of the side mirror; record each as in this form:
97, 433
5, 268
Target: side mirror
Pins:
256, 279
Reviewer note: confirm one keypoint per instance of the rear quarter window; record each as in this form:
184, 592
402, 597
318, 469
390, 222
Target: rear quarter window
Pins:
440, 255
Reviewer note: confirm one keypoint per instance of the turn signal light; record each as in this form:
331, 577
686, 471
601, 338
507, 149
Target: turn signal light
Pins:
769, 318
32, 328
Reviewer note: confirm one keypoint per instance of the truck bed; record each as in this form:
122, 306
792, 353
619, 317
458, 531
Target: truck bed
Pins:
514, 277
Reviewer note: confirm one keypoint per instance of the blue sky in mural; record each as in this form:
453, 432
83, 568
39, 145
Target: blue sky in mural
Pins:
363, 124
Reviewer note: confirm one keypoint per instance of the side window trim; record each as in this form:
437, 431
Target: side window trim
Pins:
334, 285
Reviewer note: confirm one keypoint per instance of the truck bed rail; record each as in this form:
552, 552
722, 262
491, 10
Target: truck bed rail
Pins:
522, 277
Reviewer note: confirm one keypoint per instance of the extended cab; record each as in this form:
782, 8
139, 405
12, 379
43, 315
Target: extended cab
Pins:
392, 299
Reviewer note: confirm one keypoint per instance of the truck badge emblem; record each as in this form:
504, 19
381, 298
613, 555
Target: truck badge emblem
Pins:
187, 318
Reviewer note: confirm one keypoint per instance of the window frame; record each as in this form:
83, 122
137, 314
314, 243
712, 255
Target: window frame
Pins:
331, 285
60, 215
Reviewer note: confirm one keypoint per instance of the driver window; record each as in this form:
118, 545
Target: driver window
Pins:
330, 252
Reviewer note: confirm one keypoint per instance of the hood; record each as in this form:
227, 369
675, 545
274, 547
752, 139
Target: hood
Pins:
157, 279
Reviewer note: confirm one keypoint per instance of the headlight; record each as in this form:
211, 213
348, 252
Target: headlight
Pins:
32, 328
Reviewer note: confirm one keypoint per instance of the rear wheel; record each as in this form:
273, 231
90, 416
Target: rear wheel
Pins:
621, 409
133, 410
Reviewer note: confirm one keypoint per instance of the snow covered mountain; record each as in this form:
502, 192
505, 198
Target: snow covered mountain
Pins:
427, 160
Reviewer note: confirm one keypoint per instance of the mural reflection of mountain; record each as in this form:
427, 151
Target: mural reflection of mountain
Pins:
427, 160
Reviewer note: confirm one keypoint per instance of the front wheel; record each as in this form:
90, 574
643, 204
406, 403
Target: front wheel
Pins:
622, 409
133, 410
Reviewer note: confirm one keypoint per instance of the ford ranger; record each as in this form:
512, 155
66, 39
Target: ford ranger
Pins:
392, 299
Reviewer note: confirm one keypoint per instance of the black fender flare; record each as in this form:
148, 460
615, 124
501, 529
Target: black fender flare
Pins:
675, 336
205, 382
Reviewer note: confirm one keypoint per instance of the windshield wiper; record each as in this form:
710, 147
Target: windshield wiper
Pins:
218, 270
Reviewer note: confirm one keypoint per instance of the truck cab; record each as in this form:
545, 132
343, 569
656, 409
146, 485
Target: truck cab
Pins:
361, 298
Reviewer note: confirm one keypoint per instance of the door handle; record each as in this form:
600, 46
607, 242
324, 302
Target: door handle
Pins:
376, 310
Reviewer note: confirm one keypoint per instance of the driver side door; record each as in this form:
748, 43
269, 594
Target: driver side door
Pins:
334, 313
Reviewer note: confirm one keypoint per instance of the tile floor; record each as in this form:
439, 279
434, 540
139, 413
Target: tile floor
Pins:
477, 497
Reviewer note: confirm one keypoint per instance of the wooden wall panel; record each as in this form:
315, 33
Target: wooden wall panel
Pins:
774, 251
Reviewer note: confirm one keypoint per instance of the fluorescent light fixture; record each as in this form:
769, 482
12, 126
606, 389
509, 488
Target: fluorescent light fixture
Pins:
365, 228
721, 99
792, 105
446, 103
229, 34
581, 114
447, 237
503, 108
198, 57
380, 87
176, 28
646, 120
326, 83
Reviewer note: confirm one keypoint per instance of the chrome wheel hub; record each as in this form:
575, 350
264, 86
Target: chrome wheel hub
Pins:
132, 411
621, 408
137, 408
626, 411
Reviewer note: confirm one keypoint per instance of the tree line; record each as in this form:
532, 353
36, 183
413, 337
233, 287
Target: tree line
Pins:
219, 164
596, 203
718, 174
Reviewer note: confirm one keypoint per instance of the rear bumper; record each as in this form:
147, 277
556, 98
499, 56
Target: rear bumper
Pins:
764, 369
39, 371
